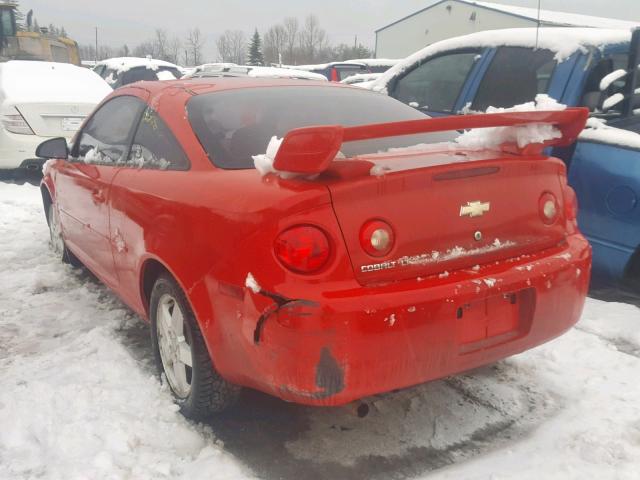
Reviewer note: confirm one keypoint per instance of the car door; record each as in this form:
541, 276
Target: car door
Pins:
143, 218
83, 182
605, 173
438, 85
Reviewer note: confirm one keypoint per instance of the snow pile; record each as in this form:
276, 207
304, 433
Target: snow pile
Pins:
361, 78
49, 82
563, 41
264, 161
475, 140
74, 402
251, 283
165, 75
486, 138
600, 132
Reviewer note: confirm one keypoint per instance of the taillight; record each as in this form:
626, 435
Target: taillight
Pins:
15, 123
377, 238
549, 208
303, 249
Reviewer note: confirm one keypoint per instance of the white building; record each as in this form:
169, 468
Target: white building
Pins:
451, 18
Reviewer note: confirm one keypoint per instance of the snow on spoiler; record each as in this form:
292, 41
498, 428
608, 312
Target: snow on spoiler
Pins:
310, 150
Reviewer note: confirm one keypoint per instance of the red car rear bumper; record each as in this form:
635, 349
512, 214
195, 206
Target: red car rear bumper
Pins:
362, 341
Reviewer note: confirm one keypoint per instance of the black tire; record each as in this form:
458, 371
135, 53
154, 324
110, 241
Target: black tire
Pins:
61, 250
209, 393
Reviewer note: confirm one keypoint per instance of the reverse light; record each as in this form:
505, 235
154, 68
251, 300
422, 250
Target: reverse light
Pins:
548, 206
377, 238
15, 123
303, 248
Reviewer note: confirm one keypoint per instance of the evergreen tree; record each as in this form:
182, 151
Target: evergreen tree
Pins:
255, 50
63, 32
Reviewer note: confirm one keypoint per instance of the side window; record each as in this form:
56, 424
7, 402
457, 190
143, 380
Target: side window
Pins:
604, 87
436, 84
516, 75
137, 74
155, 147
99, 70
111, 77
106, 138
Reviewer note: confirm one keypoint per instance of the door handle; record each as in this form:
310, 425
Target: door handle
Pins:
98, 196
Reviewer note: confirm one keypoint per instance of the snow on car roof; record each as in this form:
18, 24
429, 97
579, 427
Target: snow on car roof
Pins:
374, 62
122, 64
274, 72
564, 41
322, 66
24, 81
558, 18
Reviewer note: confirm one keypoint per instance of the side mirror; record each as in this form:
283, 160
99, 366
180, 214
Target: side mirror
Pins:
308, 150
53, 148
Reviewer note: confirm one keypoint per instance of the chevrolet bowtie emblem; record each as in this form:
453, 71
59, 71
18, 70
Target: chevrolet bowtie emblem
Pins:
474, 209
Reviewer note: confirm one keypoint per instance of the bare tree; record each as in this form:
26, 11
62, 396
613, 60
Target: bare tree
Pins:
275, 44
194, 44
312, 38
224, 47
145, 48
173, 50
232, 46
291, 27
160, 44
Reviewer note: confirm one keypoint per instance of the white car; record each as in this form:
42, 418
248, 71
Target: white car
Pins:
125, 70
40, 100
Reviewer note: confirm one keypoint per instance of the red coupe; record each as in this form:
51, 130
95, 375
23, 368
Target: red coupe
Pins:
363, 268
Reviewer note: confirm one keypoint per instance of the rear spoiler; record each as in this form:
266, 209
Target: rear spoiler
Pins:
310, 150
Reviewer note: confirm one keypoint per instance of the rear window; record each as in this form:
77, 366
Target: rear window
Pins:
234, 125
516, 75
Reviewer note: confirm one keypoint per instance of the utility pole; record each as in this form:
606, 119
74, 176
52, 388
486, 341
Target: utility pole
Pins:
96, 56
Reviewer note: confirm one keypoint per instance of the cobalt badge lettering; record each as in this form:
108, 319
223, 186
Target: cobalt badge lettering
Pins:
401, 262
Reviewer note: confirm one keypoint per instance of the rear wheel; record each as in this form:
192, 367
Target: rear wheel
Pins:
182, 356
56, 241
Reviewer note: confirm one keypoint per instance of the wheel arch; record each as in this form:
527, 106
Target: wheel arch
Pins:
151, 268
47, 200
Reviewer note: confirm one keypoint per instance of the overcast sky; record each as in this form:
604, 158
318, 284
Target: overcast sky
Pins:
133, 21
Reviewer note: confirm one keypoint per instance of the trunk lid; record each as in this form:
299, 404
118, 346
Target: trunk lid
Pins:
55, 119
448, 211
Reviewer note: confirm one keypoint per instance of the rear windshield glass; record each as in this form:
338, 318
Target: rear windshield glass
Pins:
234, 125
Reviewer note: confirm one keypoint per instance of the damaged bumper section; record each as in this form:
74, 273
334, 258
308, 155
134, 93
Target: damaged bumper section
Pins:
349, 343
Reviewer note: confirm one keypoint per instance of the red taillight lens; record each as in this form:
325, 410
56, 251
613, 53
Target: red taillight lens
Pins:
377, 238
549, 208
303, 249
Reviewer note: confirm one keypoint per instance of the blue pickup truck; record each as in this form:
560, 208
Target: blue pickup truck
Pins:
596, 68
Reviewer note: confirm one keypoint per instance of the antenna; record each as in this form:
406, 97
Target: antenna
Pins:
538, 25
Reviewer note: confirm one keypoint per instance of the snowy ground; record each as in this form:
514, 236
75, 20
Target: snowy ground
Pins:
79, 399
